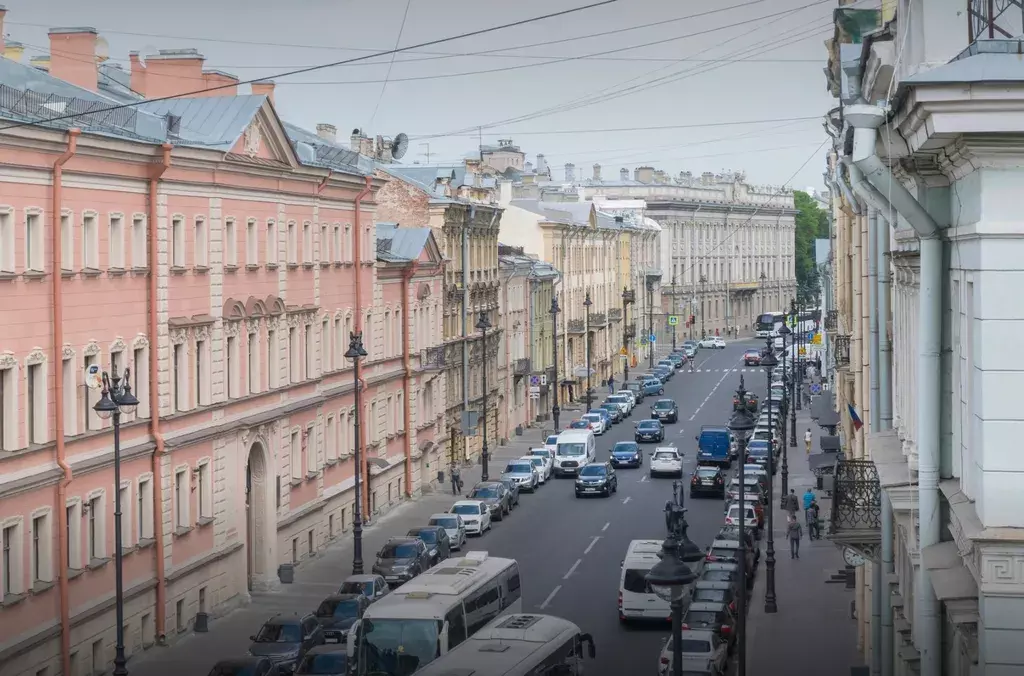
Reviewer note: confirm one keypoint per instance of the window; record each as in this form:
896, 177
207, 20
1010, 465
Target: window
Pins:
272, 244
253, 363
140, 376
33, 242
230, 243
205, 490
295, 452
311, 464
400, 412
293, 355
177, 242
69, 377
325, 251
73, 526
126, 514
368, 338
231, 356
181, 498
144, 509
11, 561
330, 439
67, 243
115, 243
139, 243
387, 335
202, 390
389, 416
326, 349
202, 243
456, 627
310, 352
180, 377
251, 244
348, 244
336, 243
292, 244
273, 363
95, 541
35, 404
6, 241
307, 242
374, 423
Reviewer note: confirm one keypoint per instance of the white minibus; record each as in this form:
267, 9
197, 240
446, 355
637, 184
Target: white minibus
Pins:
573, 450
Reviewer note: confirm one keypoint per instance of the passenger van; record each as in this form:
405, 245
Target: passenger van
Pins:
573, 450
637, 601
519, 645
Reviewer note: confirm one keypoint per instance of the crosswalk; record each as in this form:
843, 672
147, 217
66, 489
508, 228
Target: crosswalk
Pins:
752, 370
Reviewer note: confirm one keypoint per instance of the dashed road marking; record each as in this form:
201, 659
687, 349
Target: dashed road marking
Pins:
643, 478
626, 501
605, 527
550, 597
573, 569
593, 541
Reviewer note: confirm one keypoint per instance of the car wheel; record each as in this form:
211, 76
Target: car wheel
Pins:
661, 391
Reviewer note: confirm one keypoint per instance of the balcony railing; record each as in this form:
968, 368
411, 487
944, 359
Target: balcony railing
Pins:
832, 320
630, 331
615, 314
856, 519
842, 351
521, 367
598, 320
995, 19
432, 358
577, 326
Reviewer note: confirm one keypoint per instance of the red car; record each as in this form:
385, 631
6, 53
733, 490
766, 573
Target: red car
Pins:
578, 425
752, 358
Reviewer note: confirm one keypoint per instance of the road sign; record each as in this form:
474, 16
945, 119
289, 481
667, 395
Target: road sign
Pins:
673, 320
816, 340
815, 388
534, 392
653, 338
543, 380
534, 380
622, 352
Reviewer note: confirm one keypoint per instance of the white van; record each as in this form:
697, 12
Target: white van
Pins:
573, 450
636, 599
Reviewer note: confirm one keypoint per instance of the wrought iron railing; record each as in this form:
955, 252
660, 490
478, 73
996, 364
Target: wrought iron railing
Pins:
856, 497
577, 326
615, 314
521, 367
432, 358
832, 320
995, 19
842, 351
630, 331
598, 319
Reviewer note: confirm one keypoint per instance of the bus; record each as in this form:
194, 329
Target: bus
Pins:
769, 323
433, 613
519, 645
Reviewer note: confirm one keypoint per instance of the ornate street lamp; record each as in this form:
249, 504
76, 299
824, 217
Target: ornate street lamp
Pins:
674, 309
483, 323
784, 332
741, 425
554, 360
762, 279
668, 579
356, 352
117, 400
650, 323
586, 304
703, 283
627, 298
769, 362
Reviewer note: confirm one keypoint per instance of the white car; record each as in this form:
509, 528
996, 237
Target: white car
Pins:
549, 460
667, 460
522, 473
453, 525
551, 443
713, 342
622, 402
704, 652
541, 466
475, 515
596, 423
630, 394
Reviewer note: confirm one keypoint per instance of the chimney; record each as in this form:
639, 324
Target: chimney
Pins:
597, 172
623, 174
12, 51
171, 72
264, 88
219, 83
355, 141
383, 150
138, 81
542, 164
73, 56
570, 172
40, 63
3, 15
528, 168
644, 174
328, 132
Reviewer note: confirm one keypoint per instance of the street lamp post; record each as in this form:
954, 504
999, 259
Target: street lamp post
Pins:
355, 352
741, 424
117, 399
769, 362
627, 298
650, 323
798, 340
703, 283
586, 304
554, 360
784, 332
763, 278
674, 309
669, 578
793, 402
483, 324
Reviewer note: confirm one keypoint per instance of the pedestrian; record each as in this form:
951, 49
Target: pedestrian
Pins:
813, 527
791, 504
611, 384
794, 532
456, 478
808, 437
808, 498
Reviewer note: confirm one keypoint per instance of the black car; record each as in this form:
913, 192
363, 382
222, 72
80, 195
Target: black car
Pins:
245, 666
665, 410
324, 660
513, 492
401, 559
626, 454
613, 411
597, 478
338, 612
495, 496
285, 638
439, 546
707, 480
649, 430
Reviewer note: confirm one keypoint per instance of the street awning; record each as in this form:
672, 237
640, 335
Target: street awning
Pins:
830, 444
819, 461
950, 578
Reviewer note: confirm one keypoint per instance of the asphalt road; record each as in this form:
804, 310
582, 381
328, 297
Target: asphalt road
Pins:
570, 550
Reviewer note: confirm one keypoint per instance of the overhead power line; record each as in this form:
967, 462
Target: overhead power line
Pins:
661, 127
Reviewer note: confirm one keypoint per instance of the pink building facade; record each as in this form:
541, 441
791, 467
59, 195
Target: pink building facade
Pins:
223, 265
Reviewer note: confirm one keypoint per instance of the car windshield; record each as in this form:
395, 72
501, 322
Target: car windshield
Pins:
399, 551
542, 452
608, 406
593, 470
709, 595
518, 468
398, 647
571, 449
364, 588
579, 425
664, 405
692, 646
664, 455
279, 633
618, 399
625, 447
471, 510
445, 522
233, 670
647, 425
336, 608
484, 493
707, 471
592, 417
428, 536
328, 663
537, 461
551, 440
700, 618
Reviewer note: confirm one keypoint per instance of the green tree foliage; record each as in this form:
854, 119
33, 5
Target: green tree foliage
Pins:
811, 223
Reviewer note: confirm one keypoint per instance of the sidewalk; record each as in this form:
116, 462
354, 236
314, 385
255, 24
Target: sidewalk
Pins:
228, 636
813, 632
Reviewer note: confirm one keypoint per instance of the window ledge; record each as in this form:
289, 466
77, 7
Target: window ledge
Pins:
41, 586
204, 521
74, 572
369, 264
66, 274
145, 543
116, 272
12, 600
33, 274
96, 564
310, 475
140, 270
182, 531
325, 264
178, 270
230, 268
331, 462
348, 264
200, 269
308, 265
272, 266
125, 551
251, 266
7, 276
293, 266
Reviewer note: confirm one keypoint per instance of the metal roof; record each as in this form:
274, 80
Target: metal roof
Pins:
983, 61
396, 244
209, 121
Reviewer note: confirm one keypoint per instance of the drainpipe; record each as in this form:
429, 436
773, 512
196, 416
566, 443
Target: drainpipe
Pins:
56, 273
159, 451
876, 566
844, 187
357, 256
884, 346
465, 321
866, 120
410, 433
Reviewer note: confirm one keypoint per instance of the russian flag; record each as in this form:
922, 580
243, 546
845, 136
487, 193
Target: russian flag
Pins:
857, 422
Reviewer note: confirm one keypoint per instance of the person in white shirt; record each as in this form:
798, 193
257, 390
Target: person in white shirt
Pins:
807, 440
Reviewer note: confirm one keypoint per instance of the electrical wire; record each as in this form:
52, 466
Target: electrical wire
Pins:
391, 64
482, 31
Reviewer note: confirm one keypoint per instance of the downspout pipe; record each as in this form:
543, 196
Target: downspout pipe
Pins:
877, 597
465, 320
357, 260
57, 288
159, 450
866, 120
844, 187
410, 433
884, 346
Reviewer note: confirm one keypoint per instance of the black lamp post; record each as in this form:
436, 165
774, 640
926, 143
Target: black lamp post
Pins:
741, 425
674, 309
356, 352
627, 298
650, 323
587, 303
784, 332
769, 362
762, 279
554, 360
668, 579
703, 283
117, 399
797, 367
483, 323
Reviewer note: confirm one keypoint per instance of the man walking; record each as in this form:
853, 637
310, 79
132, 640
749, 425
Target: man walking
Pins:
456, 474
794, 532
813, 527
611, 384
791, 504
808, 437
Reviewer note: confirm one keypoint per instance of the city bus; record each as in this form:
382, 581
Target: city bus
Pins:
769, 323
519, 645
433, 613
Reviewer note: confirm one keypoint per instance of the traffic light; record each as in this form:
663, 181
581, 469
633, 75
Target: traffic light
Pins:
692, 320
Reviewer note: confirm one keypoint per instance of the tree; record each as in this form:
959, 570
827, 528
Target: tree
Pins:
811, 223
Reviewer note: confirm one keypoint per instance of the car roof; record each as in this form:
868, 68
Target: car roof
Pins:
711, 469
698, 635
707, 606
401, 539
725, 543
662, 401
440, 515
287, 618
721, 565
420, 529
345, 597
648, 422
713, 584
474, 503
370, 577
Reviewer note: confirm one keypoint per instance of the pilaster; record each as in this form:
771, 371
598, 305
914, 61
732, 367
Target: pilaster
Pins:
218, 377
1001, 609
162, 342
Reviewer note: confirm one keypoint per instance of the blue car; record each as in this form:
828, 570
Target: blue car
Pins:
653, 387
605, 415
626, 454
649, 430
664, 373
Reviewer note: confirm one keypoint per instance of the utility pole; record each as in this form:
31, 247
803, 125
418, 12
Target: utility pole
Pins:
674, 310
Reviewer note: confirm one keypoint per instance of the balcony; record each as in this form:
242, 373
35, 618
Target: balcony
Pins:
577, 326
856, 519
615, 314
521, 367
432, 359
842, 351
995, 20
629, 296
629, 332
598, 320
832, 320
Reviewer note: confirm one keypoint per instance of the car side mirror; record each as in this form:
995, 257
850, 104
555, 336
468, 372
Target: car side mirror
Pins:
380, 553
253, 637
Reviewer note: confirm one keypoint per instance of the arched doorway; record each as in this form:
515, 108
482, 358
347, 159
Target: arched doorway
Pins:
255, 515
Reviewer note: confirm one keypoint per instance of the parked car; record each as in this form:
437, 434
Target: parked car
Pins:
494, 495
475, 514
401, 559
551, 442
372, 587
597, 478
703, 653
631, 395
453, 526
716, 617
614, 412
285, 638
523, 473
338, 612
513, 490
623, 402
439, 546
637, 388
542, 464
578, 424
245, 666
549, 460
324, 660
596, 421
649, 430
652, 387
664, 373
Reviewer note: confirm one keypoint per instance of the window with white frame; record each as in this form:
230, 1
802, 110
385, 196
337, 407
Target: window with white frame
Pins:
182, 492
310, 436
374, 421
339, 345
231, 355
95, 536
336, 243
69, 377
204, 490
115, 242
387, 336
252, 245
117, 360
73, 526
325, 251
140, 379
369, 246
67, 242
330, 439
35, 403
400, 411
144, 509
310, 350
253, 362
10, 565
126, 514
295, 454
294, 365
140, 245
41, 538
292, 244
347, 336
34, 240
344, 434
325, 345
201, 356
273, 359
368, 337
348, 244
178, 242
6, 240
307, 242
230, 243
389, 416
90, 397
201, 243
179, 376
272, 251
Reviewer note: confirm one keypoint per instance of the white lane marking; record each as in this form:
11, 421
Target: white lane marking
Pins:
605, 527
572, 570
713, 390
643, 478
550, 597
593, 541
626, 501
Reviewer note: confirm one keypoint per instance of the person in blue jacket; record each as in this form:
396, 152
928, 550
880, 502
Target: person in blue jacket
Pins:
808, 499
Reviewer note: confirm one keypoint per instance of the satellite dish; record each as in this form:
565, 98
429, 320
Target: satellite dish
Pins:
102, 50
399, 146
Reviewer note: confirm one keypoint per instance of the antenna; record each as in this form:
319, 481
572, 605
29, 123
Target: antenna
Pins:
102, 49
426, 154
400, 146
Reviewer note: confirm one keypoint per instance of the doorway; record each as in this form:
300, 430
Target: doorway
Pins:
255, 514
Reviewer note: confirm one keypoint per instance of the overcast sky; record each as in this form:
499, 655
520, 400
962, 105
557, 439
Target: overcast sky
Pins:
742, 61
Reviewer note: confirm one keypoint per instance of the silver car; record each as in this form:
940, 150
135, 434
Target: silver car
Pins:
523, 473
453, 525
